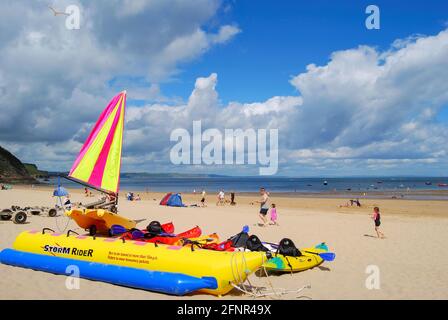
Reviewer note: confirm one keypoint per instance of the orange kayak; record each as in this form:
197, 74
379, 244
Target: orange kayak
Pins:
166, 238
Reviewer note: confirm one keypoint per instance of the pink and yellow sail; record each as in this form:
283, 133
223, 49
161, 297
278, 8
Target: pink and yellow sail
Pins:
99, 161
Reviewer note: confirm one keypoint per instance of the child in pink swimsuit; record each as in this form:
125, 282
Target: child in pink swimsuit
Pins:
274, 215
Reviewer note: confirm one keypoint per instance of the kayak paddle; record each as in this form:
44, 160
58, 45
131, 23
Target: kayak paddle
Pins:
326, 256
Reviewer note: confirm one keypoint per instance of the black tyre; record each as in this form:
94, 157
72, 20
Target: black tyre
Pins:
20, 217
52, 212
6, 214
92, 230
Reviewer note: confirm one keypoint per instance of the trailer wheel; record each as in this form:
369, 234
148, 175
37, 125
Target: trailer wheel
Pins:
92, 230
20, 217
52, 213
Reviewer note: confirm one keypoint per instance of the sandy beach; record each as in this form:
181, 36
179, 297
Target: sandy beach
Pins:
411, 259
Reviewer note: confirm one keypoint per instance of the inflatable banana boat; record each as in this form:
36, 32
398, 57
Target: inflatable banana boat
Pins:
157, 267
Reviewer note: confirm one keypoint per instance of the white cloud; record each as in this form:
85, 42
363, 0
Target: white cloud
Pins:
363, 108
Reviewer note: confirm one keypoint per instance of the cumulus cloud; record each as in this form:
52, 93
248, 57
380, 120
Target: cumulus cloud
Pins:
365, 108
55, 81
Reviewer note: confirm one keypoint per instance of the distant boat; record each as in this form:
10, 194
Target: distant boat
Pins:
325, 182
428, 183
309, 185
443, 184
379, 182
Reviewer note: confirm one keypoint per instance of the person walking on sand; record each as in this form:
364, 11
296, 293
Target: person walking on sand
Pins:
264, 206
377, 220
221, 198
274, 216
203, 194
232, 198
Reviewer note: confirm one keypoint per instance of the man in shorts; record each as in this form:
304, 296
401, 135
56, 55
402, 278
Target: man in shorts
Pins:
264, 206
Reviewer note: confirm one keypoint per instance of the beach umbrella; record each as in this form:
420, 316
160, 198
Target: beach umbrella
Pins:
60, 191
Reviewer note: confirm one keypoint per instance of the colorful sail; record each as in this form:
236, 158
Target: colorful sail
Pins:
98, 163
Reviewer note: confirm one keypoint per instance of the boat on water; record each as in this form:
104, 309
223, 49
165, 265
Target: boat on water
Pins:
443, 184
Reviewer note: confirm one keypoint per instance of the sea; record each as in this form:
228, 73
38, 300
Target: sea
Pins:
317, 185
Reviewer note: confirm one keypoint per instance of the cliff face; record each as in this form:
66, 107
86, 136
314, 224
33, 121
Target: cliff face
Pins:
12, 169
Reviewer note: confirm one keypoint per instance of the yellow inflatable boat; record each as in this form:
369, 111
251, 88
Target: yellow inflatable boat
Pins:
98, 220
224, 268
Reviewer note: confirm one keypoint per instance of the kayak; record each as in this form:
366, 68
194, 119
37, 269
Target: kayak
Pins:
162, 268
309, 259
99, 220
171, 238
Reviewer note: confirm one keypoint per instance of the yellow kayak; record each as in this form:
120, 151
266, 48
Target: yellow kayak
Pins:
308, 260
99, 220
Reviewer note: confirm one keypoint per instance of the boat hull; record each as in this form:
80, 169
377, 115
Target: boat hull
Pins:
309, 259
169, 283
102, 219
225, 267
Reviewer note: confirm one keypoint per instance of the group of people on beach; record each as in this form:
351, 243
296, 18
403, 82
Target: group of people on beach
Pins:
221, 201
130, 196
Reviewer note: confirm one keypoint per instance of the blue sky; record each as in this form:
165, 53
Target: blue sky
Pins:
345, 100
279, 38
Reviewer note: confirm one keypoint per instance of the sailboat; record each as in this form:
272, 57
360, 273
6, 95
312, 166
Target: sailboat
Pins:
97, 166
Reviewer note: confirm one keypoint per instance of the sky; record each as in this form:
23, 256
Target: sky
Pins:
346, 100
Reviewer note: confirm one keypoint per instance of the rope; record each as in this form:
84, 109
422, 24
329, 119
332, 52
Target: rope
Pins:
262, 295
66, 224
254, 291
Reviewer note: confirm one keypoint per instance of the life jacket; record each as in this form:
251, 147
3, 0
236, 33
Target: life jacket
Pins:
287, 248
254, 244
239, 240
154, 228
223, 246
